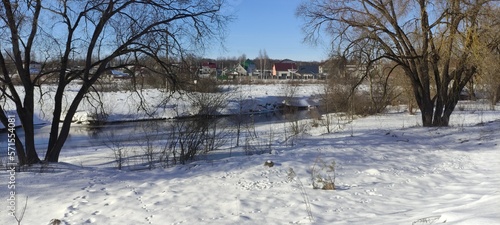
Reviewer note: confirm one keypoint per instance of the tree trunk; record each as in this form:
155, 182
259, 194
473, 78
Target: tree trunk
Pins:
495, 97
29, 140
472, 91
21, 155
26, 117
54, 152
427, 114
424, 102
54, 130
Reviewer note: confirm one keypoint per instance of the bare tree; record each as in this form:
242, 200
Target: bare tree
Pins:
106, 34
432, 41
487, 55
262, 59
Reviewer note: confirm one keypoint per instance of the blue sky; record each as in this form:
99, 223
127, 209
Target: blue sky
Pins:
268, 25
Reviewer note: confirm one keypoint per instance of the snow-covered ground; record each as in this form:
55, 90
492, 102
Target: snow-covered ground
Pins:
388, 170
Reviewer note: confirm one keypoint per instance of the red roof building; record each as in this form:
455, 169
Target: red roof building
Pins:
284, 69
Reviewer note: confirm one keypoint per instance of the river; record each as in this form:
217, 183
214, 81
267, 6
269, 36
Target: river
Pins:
96, 136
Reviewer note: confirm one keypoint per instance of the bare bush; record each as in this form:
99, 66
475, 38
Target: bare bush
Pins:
323, 175
194, 136
343, 93
149, 145
334, 121
255, 146
203, 85
120, 153
201, 133
147, 79
207, 104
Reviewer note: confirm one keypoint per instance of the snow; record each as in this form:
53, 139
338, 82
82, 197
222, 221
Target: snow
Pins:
388, 170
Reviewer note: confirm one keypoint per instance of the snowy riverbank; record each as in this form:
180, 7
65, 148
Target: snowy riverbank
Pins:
388, 170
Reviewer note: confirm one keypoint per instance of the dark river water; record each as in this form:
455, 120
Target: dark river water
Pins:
88, 136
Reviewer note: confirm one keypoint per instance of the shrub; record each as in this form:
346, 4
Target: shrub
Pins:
323, 175
191, 137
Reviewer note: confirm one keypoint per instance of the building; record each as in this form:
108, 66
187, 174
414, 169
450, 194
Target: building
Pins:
207, 68
285, 69
35, 68
308, 72
249, 66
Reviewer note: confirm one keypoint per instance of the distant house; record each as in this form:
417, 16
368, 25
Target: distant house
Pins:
240, 70
308, 72
285, 69
323, 70
35, 68
233, 72
207, 68
249, 66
